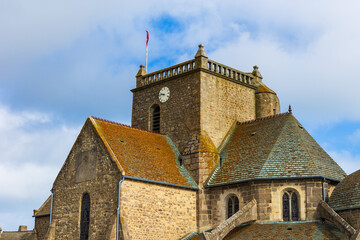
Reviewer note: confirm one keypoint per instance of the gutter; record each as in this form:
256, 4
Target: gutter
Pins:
274, 178
51, 205
323, 189
118, 209
160, 183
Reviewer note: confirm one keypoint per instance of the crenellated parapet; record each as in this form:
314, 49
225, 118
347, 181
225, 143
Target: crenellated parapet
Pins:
200, 62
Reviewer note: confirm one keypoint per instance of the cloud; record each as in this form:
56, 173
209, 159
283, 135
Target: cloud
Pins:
33, 147
355, 137
65, 54
348, 161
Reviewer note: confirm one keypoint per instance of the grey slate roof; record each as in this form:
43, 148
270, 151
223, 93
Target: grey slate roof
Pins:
287, 230
272, 147
347, 193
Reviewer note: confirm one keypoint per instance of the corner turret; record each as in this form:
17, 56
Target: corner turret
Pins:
267, 102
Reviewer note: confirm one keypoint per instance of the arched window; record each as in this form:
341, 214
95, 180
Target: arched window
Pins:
155, 118
85, 217
290, 206
232, 206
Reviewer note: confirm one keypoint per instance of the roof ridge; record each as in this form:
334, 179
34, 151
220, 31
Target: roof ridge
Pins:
273, 145
125, 125
264, 118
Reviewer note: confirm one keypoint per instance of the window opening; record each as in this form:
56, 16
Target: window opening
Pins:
290, 206
156, 119
85, 217
233, 205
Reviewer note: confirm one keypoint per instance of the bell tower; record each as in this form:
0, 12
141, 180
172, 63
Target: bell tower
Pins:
196, 103
193, 96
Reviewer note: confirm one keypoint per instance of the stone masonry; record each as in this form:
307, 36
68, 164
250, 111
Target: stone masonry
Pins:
268, 195
88, 169
151, 211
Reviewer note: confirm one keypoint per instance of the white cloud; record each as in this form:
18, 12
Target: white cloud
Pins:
33, 147
348, 161
307, 52
355, 137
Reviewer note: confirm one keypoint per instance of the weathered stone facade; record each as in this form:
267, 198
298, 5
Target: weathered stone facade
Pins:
180, 115
352, 216
268, 195
88, 169
41, 226
152, 211
222, 103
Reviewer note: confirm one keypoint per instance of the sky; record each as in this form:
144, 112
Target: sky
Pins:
63, 61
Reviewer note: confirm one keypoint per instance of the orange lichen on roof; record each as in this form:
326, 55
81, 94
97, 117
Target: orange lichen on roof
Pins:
206, 144
139, 153
264, 89
44, 209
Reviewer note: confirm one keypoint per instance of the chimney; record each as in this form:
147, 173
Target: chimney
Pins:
22, 228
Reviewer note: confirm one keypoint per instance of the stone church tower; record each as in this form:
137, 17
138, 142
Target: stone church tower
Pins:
197, 103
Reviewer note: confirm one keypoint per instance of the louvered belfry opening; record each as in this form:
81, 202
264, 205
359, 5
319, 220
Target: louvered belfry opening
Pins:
85, 217
233, 205
290, 206
156, 118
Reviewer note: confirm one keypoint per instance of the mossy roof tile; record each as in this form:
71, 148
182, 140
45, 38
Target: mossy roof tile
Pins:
287, 230
273, 147
142, 154
347, 193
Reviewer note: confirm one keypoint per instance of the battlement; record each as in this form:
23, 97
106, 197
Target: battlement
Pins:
200, 62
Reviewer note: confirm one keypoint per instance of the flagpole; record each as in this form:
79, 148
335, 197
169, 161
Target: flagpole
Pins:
147, 41
146, 58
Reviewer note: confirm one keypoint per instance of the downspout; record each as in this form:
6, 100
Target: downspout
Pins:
118, 209
51, 205
323, 189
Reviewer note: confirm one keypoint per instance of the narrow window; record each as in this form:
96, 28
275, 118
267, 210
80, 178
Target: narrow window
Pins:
290, 206
286, 207
233, 206
294, 208
85, 217
155, 121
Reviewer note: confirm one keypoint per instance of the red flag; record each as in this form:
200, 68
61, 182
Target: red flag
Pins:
147, 37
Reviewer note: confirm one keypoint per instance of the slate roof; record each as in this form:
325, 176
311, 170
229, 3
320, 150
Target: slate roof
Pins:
44, 209
272, 147
347, 193
143, 154
287, 230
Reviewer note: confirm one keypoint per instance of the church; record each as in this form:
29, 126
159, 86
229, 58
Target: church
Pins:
208, 156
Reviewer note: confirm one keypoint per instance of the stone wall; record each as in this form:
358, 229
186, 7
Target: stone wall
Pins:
88, 169
352, 216
222, 103
179, 114
41, 226
267, 104
326, 212
152, 211
268, 195
245, 215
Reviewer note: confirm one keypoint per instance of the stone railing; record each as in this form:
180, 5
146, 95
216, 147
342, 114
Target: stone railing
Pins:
230, 72
329, 214
247, 214
169, 72
182, 68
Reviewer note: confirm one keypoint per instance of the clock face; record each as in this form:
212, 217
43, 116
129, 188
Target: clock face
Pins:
164, 94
